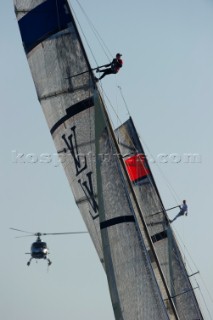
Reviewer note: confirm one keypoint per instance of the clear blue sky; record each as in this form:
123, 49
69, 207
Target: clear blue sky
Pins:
167, 82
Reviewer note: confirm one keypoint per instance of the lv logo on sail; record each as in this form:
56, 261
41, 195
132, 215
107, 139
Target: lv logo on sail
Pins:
74, 152
81, 165
89, 193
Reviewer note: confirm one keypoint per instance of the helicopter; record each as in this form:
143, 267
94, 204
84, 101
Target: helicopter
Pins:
39, 249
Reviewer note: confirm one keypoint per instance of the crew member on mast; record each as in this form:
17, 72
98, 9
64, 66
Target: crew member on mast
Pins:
183, 211
112, 68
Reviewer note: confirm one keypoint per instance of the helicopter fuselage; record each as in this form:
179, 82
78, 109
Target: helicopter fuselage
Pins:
39, 250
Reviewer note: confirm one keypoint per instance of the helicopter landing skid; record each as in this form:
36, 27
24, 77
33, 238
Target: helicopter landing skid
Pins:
49, 262
28, 263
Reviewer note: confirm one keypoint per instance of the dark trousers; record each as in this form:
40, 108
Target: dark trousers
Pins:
106, 72
181, 213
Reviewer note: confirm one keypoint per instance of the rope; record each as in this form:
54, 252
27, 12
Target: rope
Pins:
173, 192
96, 34
122, 96
111, 105
90, 49
181, 244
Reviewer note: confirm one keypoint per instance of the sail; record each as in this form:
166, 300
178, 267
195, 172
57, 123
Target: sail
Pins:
133, 287
156, 220
65, 87
82, 134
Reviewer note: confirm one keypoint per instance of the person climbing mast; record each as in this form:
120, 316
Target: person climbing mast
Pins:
112, 68
183, 211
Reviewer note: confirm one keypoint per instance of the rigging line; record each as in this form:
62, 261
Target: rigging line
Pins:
203, 299
122, 96
195, 266
103, 94
111, 105
85, 38
117, 105
172, 190
97, 35
186, 261
210, 317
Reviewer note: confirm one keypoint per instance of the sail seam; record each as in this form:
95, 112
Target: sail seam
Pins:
55, 94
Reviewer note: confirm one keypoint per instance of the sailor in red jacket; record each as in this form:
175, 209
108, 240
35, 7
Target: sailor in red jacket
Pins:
114, 67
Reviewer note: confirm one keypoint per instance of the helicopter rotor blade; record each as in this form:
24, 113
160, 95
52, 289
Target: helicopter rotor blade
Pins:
29, 235
39, 234
60, 233
22, 231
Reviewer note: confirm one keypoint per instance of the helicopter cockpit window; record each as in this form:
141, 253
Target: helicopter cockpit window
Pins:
38, 245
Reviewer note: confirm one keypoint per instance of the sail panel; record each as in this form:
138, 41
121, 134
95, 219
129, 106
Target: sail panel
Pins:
159, 229
53, 18
136, 167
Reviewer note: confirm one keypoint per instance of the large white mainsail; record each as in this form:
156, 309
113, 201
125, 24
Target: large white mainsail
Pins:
64, 84
155, 216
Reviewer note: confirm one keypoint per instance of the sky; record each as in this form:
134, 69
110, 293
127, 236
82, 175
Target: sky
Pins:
166, 82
